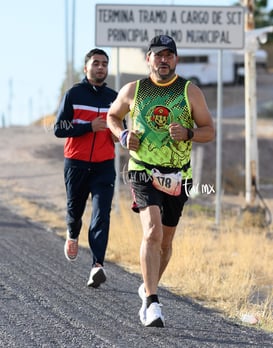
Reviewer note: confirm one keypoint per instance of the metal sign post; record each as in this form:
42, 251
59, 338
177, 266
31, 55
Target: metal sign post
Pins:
117, 145
218, 204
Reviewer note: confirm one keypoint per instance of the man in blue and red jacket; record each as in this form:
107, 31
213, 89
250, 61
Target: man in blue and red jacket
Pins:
89, 153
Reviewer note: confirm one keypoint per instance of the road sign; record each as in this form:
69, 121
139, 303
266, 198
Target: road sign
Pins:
220, 27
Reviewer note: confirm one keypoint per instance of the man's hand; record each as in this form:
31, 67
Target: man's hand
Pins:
98, 124
133, 141
129, 140
178, 132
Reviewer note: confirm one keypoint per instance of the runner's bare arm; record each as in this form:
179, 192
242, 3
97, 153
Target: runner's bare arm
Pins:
120, 108
205, 130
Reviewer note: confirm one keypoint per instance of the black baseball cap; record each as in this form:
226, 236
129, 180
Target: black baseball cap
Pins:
162, 42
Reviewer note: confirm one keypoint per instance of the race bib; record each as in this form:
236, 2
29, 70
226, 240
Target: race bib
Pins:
169, 183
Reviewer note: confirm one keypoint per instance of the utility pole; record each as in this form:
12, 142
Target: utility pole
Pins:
69, 60
73, 41
67, 82
10, 102
251, 143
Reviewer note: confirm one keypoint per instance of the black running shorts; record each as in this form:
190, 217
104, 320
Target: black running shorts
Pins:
145, 194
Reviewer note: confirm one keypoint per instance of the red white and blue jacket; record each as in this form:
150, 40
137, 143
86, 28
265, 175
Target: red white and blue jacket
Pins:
79, 107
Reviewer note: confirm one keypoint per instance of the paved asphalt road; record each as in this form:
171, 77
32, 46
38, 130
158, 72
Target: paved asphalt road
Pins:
45, 302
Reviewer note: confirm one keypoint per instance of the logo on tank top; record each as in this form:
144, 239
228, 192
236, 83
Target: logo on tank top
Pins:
159, 118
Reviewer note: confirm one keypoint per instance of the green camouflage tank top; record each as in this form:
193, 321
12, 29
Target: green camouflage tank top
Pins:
155, 107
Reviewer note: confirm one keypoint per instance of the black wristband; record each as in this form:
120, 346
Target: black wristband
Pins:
190, 134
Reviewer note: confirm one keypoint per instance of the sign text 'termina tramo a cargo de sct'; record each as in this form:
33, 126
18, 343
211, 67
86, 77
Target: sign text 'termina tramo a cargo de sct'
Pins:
190, 26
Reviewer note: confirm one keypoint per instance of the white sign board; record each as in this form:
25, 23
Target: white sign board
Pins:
190, 26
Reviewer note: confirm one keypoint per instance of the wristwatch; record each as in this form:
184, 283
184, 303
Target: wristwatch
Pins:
190, 134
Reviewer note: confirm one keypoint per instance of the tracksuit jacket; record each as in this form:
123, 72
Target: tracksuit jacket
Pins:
79, 107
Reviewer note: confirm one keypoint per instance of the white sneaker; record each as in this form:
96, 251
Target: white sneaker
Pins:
70, 248
154, 316
97, 276
142, 311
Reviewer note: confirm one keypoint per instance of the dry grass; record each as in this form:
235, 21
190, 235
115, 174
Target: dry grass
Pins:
229, 269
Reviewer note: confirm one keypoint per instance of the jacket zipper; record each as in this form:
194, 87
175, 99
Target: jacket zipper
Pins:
94, 140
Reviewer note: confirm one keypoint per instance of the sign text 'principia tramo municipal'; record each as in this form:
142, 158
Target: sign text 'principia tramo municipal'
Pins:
191, 27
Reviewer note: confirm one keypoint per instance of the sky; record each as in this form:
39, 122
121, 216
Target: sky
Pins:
33, 51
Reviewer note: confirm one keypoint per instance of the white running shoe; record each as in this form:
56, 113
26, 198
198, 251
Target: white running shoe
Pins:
154, 316
97, 276
142, 311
